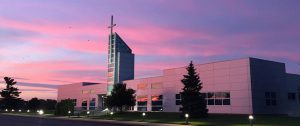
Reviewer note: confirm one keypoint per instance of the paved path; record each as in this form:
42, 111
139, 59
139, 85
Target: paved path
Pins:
17, 120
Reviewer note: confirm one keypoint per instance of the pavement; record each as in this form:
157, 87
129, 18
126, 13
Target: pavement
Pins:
8, 119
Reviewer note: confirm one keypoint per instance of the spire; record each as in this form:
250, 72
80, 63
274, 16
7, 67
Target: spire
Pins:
112, 25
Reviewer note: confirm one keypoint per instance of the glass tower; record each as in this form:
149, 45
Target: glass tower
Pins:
120, 61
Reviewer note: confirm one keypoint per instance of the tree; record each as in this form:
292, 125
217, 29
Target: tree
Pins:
193, 101
10, 94
34, 104
63, 107
121, 98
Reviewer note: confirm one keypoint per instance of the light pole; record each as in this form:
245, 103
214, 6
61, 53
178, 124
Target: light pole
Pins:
69, 113
28, 111
186, 119
20, 110
250, 120
88, 113
111, 115
41, 112
143, 114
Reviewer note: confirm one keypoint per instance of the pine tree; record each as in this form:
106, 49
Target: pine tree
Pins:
121, 97
193, 101
10, 94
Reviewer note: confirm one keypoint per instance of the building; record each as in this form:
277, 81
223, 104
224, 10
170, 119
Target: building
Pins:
120, 60
85, 95
241, 86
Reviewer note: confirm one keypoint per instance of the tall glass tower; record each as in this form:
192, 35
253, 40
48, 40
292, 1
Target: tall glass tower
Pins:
120, 60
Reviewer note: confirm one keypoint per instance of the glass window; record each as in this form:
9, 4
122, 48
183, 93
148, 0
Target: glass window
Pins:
84, 105
270, 98
157, 85
226, 101
217, 98
292, 96
218, 101
84, 92
177, 96
142, 86
93, 104
142, 102
157, 102
177, 99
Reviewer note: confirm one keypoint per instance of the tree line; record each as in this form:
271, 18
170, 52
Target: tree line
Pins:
10, 99
120, 98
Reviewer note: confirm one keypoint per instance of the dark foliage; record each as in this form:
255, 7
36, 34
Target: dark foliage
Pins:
193, 102
10, 95
63, 107
121, 98
35, 104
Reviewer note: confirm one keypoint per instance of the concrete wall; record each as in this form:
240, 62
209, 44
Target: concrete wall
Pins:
75, 91
293, 86
227, 76
267, 76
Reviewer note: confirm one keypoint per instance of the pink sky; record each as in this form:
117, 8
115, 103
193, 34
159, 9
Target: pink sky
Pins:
49, 43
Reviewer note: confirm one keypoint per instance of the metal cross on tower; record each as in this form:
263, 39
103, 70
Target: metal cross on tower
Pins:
112, 25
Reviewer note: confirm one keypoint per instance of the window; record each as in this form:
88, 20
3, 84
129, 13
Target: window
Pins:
84, 105
270, 98
157, 85
93, 104
217, 98
92, 91
292, 96
142, 102
156, 102
178, 99
142, 86
85, 92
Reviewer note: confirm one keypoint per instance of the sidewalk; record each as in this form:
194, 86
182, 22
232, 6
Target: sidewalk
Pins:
128, 123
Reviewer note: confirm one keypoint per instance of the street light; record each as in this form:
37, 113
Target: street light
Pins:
69, 113
20, 110
6, 110
186, 118
250, 120
28, 110
12, 110
111, 115
41, 112
143, 114
88, 113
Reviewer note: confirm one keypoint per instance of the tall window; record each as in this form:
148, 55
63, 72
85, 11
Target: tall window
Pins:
177, 99
157, 85
142, 102
157, 102
142, 86
93, 104
270, 98
84, 105
291, 96
217, 98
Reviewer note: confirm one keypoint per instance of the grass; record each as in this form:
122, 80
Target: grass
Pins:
212, 120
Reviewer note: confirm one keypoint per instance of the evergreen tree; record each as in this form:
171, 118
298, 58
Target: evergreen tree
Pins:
193, 101
10, 94
63, 107
121, 98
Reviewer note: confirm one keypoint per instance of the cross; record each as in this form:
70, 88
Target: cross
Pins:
112, 25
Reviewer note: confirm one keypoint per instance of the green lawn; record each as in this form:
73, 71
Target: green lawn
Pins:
212, 120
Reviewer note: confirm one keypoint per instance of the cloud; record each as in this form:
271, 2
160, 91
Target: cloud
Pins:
40, 85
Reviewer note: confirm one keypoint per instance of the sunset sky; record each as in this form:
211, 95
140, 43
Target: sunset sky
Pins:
45, 43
